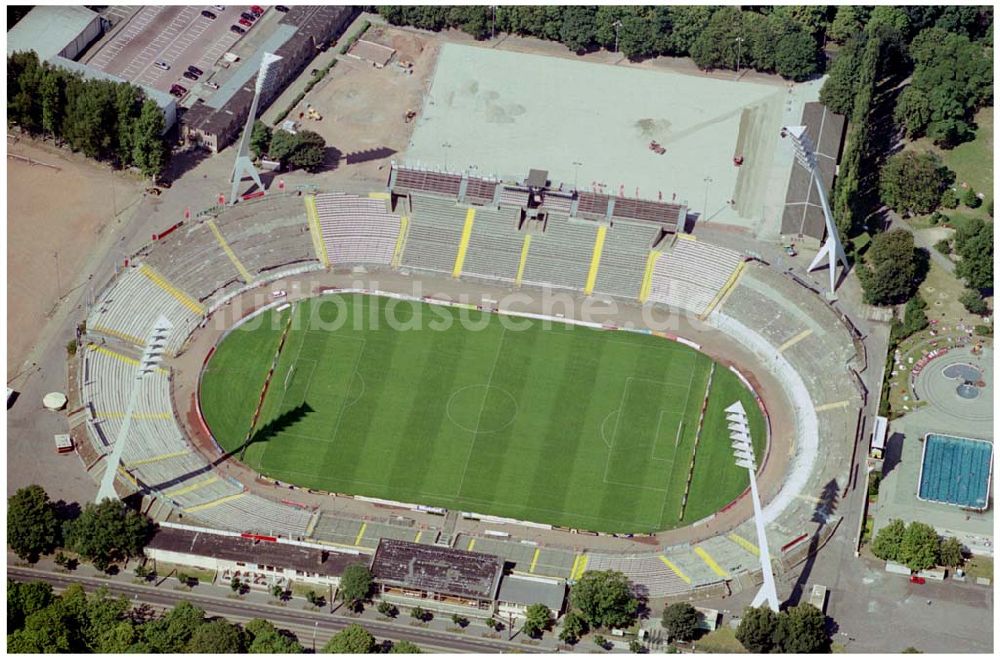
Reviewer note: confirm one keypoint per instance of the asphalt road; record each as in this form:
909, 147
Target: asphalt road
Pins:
303, 623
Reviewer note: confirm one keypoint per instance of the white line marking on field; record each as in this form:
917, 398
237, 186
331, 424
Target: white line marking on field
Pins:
482, 407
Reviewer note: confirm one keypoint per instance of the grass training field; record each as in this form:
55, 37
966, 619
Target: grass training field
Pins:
552, 423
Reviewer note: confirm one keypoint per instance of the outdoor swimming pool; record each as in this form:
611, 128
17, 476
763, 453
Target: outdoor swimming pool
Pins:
956, 471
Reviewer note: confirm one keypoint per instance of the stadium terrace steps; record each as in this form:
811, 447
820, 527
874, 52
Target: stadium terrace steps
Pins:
623, 260
357, 230
134, 303
647, 570
264, 245
495, 246
435, 233
256, 514
193, 260
561, 255
690, 274
240, 268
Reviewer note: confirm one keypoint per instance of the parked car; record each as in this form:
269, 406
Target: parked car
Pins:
790, 250
248, 16
237, 29
160, 64
281, 8
256, 10
916, 579
190, 76
208, 14
195, 70
219, 7
213, 85
177, 90
244, 22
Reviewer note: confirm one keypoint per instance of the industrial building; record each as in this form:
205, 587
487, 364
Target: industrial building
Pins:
301, 34
60, 34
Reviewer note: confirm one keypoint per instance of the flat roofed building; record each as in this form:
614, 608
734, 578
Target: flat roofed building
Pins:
519, 592
435, 577
231, 552
52, 30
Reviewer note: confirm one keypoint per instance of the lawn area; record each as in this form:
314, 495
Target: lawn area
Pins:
553, 423
972, 163
979, 566
721, 640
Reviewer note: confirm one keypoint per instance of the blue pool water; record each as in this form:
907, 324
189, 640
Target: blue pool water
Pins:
956, 471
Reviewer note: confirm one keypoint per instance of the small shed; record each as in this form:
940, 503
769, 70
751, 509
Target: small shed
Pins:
879, 433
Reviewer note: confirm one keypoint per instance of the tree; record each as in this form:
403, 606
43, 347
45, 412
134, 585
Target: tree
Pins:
912, 183
950, 552
604, 599
974, 244
171, 633
24, 599
578, 31
33, 527
149, 151
459, 620
385, 608
260, 138
235, 584
404, 646
309, 153
949, 198
108, 532
680, 620
796, 55
635, 646
352, 639
600, 642
893, 268
278, 591
971, 199
355, 584
914, 317
218, 636
536, 619
839, 90
974, 302
574, 627
919, 547
848, 22
490, 622
263, 637
418, 613
888, 540
802, 629
757, 629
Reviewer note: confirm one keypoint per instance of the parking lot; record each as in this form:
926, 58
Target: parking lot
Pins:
178, 35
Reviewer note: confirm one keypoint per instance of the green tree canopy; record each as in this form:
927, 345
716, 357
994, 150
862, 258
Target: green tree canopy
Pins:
260, 138
604, 599
355, 584
108, 532
149, 152
536, 619
893, 268
403, 646
171, 633
912, 183
217, 636
352, 639
802, 629
757, 629
888, 540
263, 637
33, 528
919, 548
952, 78
24, 599
974, 244
574, 626
680, 620
950, 552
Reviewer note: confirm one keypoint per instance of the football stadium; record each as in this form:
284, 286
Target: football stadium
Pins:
511, 344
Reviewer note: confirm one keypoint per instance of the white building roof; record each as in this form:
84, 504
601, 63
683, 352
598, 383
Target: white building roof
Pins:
47, 29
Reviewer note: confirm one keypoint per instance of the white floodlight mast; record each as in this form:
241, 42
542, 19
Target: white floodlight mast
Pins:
244, 164
739, 433
831, 251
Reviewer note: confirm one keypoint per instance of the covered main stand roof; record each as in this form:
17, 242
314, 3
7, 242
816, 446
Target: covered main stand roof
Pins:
444, 571
534, 191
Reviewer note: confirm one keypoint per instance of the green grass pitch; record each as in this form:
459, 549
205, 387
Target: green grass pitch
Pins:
562, 424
